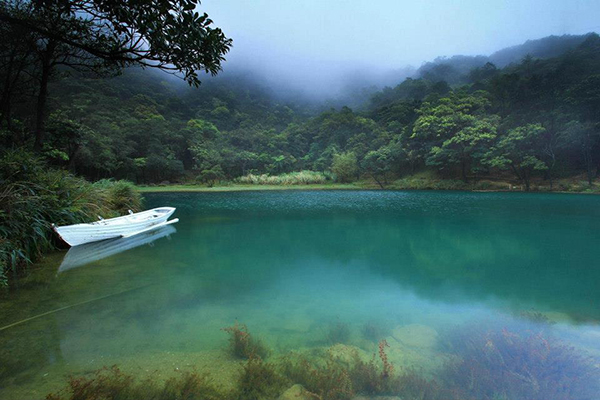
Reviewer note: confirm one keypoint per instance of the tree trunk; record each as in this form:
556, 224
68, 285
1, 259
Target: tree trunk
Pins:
40, 117
587, 155
516, 171
463, 167
377, 180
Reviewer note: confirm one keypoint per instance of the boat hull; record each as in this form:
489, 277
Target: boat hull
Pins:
78, 234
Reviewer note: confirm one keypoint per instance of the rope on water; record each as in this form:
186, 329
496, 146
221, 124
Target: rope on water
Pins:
71, 306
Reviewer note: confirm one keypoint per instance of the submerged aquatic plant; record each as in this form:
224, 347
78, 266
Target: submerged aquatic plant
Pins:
374, 331
518, 363
333, 378
329, 379
339, 332
243, 345
259, 380
388, 368
112, 384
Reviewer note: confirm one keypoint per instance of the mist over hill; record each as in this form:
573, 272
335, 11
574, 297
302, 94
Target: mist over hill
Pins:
455, 69
324, 85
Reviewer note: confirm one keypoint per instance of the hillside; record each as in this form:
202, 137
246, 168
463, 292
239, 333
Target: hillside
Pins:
533, 119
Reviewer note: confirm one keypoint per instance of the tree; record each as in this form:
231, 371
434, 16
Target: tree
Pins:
111, 34
583, 137
455, 130
519, 150
345, 166
211, 176
17, 53
378, 163
467, 147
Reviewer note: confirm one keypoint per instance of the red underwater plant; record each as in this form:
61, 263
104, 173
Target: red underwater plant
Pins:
388, 368
242, 344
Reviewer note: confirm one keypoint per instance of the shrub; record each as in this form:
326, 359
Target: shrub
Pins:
292, 178
211, 176
345, 167
33, 196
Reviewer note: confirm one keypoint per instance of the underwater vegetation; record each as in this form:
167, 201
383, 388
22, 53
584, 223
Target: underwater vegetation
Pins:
244, 345
328, 378
339, 332
486, 363
259, 380
112, 384
337, 378
374, 331
520, 363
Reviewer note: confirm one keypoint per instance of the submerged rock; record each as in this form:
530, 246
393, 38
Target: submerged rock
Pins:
297, 392
347, 354
416, 335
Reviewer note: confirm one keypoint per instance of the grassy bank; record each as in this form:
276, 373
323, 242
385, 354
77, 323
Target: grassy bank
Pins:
419, 181
237, 187
34, 196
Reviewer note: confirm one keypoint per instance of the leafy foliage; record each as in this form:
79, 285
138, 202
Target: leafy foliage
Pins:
534, 120
33, 197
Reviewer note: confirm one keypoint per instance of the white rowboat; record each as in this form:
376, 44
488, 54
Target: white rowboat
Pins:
125, 226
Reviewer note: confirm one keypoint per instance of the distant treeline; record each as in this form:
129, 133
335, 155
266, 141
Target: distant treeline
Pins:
539, 117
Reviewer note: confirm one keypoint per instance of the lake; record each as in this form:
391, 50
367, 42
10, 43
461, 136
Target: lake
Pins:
458, 278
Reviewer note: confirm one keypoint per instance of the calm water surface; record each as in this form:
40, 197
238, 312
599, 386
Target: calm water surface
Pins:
304, 270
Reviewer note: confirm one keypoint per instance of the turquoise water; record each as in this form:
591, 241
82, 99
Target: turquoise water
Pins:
305, 270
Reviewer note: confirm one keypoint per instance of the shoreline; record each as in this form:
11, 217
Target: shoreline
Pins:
438, 186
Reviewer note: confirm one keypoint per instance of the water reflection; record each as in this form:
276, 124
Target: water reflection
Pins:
90, 252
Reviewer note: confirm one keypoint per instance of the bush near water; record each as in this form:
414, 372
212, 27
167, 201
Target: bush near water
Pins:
33, 196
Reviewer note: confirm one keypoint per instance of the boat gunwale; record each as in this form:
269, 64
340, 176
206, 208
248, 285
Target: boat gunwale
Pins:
127, 218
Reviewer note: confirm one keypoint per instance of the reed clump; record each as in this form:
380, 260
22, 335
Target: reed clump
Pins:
244, 345
33, 196
292, 178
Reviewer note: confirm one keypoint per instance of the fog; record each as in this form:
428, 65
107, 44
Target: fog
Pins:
322, 48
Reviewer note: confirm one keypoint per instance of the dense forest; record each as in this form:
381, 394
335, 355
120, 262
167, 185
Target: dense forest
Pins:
463, 117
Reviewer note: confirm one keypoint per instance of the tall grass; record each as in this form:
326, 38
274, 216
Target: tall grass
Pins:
33, 196
292, 178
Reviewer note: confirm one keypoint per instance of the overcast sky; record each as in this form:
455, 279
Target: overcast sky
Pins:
317, 39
